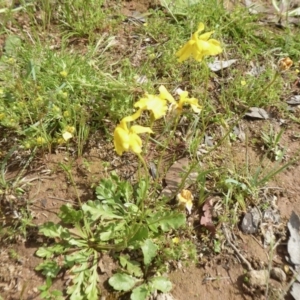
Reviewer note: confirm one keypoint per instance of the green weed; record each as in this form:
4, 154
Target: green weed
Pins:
121, 218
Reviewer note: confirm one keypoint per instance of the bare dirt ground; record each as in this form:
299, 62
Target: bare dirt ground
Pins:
220, 276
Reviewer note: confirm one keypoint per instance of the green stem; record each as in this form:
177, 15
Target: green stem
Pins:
143, 162
148, 136
147, 180
165, 148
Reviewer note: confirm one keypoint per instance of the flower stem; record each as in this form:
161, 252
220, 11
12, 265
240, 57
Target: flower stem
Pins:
165, 147
146, 180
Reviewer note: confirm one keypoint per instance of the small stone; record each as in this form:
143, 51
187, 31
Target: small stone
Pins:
258, 278
278, 274
247, 224
251, 220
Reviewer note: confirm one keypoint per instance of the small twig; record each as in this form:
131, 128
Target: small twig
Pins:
60, 199
213, 278
225, 230
25, 181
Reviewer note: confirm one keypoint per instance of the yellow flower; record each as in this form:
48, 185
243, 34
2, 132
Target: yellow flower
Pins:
199, 46
40, 141
27, 145
156, 105
127, 139
176, 240
63, 74
183, 99
185, 199
243, 82
70, 129
66, 114
11, 60
193, 102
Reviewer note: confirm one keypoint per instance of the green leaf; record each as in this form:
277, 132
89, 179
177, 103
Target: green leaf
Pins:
141, 191
92, 289
140, 293
52, 230
98, 210
69, 215
48, 252
44, 252
173, 220
78, 243
48, 268
149, 251
166, 220
111, 230
140, 233
114, 190
122, 282
133, 267
106, 236
75, 290
78, 257
162, 284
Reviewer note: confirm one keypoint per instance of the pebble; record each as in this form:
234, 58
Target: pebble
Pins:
258, 278
278, 274
251, 220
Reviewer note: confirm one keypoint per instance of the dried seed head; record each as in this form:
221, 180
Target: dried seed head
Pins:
285, 63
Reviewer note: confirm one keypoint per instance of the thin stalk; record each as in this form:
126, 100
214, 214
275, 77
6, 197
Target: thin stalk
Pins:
165, 148
147, 181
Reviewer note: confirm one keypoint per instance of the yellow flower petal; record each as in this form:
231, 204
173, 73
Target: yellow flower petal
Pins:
135, 144
205, 36
156, 105
164, 94
176, 240
63, 74
199, 46
121, 140
137, 129
200, 27
67, 135
185, 100
127, 139
133, 117
186, 51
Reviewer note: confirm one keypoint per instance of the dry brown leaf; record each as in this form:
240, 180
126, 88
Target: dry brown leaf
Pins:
206, 219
